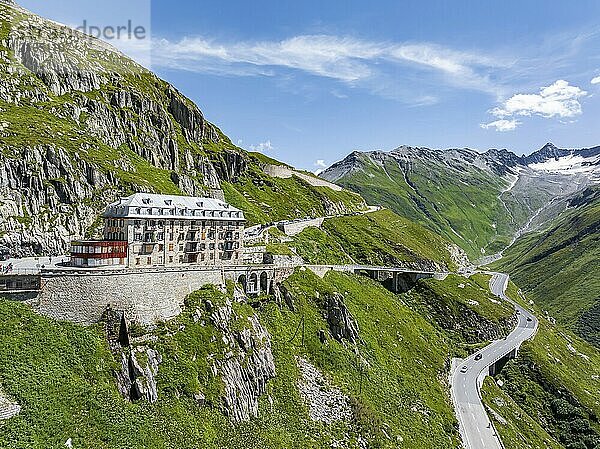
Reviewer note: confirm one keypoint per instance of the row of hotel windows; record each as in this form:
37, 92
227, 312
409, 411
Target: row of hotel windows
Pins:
149, 237
191, 259
116, 223
199, 247
84, 262
177, 212
94, 249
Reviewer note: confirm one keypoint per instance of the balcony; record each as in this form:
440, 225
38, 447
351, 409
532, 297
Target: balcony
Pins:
192, 248
150, 238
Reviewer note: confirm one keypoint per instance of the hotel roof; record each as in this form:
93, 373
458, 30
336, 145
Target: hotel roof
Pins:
144, 205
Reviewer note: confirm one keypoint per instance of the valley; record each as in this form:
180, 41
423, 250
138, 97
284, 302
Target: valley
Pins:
365, 308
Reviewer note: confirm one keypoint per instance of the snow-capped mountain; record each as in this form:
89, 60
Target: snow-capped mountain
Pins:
567, 162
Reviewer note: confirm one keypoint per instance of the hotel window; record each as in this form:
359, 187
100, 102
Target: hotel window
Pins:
170, 259
137, 261
149, 261
171, 247
161, 248
211, 246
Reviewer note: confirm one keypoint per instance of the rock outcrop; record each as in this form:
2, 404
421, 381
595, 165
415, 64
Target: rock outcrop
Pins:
8, 408
247, 366
342, 324
325, 403
136, 376
143, 369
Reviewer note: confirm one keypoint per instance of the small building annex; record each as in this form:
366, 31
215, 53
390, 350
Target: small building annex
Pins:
148, 230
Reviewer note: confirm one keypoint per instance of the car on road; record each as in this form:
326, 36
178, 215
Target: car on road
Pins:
478, 357
464, 369
529, 318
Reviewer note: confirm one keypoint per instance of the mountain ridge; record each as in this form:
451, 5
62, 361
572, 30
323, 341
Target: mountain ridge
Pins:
478, 200
502, 156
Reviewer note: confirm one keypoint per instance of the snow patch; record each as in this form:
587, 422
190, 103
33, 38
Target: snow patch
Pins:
571, 164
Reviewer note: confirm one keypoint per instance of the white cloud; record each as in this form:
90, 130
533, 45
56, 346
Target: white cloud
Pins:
501, 125
596, 80
321, 165
263, 147
559, 99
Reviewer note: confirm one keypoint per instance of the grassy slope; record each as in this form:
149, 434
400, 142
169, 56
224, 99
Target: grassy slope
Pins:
62, 376
516, 428
265, 199
555, 383
473, 292
461, 307
384, 238
559, 267
440, 198
403, 385
316, 246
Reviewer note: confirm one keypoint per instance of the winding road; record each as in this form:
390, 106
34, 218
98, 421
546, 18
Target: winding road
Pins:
476, 429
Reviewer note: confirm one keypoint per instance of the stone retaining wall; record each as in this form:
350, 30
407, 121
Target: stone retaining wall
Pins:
145, 296
296, 227
280, 171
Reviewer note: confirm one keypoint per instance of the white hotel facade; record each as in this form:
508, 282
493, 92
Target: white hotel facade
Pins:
149, 230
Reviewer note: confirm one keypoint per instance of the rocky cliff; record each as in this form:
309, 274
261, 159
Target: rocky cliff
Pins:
81, 125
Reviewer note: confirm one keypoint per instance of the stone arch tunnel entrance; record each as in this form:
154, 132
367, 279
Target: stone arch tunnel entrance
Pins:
242, 281
264, 282
253, 282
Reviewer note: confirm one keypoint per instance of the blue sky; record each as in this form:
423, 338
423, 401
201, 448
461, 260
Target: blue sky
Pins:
308, 82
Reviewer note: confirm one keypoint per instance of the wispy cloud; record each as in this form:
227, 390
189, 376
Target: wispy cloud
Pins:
355, 62
596, 80
560, 99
